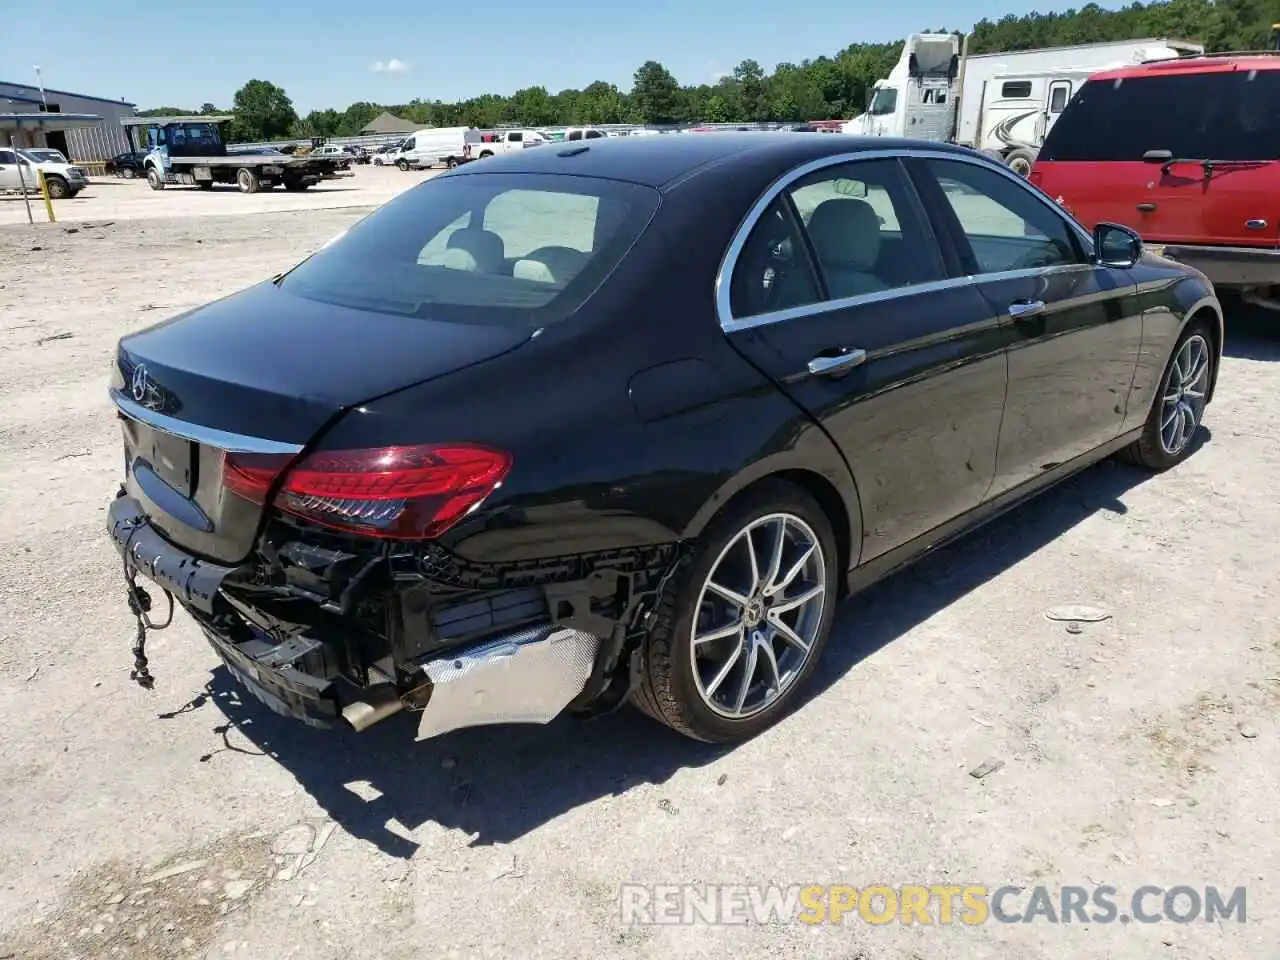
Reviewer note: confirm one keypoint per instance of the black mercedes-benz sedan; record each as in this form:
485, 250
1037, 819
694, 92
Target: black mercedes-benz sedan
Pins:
624, 420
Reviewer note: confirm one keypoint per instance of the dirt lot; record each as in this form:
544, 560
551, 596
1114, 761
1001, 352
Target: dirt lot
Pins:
1142, 749
116, 199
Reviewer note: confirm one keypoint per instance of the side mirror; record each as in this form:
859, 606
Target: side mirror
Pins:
1116, 246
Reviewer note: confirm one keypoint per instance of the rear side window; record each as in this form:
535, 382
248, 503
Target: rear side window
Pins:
485, 248
1195, 116
1016, 89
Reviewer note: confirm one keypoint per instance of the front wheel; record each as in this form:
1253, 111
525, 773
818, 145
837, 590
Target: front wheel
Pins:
1179, 407
1020, 161
403, 165
154, 180
58, 188
743, 626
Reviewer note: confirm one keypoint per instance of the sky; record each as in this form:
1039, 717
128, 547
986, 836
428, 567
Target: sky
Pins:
330, 53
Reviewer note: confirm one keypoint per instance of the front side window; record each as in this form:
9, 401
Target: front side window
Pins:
516, 137
1006, 225
861, 227
6, 156
484, 248
884, 102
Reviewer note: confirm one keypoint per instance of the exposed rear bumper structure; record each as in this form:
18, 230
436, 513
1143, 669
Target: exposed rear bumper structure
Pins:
528, 675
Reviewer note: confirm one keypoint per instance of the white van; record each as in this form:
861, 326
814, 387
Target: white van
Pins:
432, 146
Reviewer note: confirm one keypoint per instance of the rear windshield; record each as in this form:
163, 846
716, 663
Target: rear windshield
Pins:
487, 248
1195, 116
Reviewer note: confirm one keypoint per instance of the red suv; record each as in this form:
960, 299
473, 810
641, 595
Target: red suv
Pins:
1187, 152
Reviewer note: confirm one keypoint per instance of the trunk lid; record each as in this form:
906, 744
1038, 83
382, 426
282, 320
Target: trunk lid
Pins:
261, 372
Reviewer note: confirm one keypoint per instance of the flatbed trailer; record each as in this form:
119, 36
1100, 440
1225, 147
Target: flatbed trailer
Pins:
188, 150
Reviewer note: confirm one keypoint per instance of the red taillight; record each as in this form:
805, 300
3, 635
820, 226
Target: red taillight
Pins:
250, 475
401, 493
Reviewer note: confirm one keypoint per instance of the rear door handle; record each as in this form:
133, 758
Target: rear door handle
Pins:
1023, 309
1146, 207
837, 364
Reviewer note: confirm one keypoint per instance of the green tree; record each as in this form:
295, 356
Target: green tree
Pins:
656, 93
753, 91
263, 111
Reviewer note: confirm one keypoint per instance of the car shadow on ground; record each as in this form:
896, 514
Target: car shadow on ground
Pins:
499, 783
1252, 333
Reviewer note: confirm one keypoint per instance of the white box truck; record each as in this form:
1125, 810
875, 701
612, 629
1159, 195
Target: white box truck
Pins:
1000, 103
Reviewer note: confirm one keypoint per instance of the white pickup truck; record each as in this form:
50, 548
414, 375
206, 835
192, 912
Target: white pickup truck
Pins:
64, 179
486, 143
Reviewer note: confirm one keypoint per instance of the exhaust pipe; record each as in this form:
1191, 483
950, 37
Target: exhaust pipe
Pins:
379, 703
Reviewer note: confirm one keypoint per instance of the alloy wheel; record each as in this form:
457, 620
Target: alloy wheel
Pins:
1183, 398
758, 616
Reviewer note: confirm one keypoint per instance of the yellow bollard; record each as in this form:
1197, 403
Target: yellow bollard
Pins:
44, 192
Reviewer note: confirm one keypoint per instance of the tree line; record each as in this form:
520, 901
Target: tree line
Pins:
827, 87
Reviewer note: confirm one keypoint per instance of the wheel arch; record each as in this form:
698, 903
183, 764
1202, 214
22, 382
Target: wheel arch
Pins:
833, 489
1208, 308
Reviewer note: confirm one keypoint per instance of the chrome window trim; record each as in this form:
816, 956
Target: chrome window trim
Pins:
230, 442
729, 262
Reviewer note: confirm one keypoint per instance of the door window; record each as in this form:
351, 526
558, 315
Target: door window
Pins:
861, 226
6, 156
773, 271
1006, 225
1058, 97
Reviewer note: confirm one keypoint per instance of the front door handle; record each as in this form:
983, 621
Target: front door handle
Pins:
1146, 207
1023, 309
837, 364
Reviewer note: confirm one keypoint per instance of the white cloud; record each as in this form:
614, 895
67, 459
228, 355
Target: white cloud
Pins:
390, 66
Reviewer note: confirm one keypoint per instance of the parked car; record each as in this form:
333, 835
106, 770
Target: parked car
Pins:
19, 173
386, 155
127, 165
627, 419
1185, 152
358, 154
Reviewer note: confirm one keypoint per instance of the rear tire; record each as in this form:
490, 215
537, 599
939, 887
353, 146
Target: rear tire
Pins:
1176, 413
128, 173
1020, 161
485, 153
742, 675
247, 179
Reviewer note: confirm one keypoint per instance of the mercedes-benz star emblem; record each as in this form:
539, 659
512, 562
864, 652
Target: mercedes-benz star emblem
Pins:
139, 385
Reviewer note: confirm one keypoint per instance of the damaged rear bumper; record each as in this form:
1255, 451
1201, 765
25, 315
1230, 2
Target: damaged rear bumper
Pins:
527, 675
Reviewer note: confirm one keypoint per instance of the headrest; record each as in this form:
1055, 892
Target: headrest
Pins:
484, 246
846, 231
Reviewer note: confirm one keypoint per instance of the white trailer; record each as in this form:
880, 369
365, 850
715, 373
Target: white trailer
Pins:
1000, 103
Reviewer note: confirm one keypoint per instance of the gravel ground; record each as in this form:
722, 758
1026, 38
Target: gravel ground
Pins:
1142, 749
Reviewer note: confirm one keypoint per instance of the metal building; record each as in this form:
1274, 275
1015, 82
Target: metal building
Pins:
83, 144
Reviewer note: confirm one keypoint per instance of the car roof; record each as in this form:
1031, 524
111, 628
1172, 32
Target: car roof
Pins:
1208, 63
658, 161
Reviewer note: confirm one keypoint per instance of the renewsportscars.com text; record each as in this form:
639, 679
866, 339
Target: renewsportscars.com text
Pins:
925, 904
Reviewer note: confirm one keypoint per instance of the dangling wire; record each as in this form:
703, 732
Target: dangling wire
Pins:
140, 607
